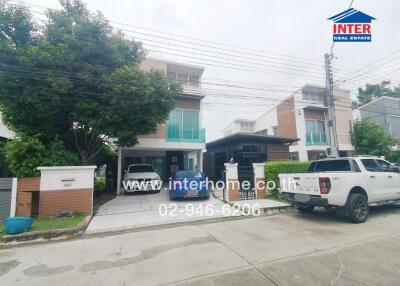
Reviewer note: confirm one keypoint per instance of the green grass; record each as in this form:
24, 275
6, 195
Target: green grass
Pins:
49, 223
2, 230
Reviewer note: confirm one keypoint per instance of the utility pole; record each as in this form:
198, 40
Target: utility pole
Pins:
331, 106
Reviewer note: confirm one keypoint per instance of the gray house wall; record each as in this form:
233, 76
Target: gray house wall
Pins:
5, 197
384, 111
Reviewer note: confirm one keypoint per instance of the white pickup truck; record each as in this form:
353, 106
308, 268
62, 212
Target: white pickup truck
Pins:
351, 184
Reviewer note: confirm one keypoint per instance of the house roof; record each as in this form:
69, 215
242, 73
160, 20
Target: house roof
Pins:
377, 100
239, 137
352, 16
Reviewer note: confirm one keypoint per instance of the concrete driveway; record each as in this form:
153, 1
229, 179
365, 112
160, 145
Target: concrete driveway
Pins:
142, 210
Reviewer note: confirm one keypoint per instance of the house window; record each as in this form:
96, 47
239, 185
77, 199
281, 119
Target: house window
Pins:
246, 126
171, 75
275, 131
194, 80
183, 124
314, 94
315, 132
294, 156
183, 78
262, 132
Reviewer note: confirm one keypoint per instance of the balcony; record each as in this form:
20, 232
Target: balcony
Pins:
313, 139
192, 135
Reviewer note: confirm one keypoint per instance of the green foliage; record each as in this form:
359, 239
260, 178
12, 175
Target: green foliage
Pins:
99, 186
369, 138
4, 170
25, 154
372, 91
274, 168
76, 79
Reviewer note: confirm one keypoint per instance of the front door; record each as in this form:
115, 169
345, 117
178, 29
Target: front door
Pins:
174, 162
392, 176
377, 181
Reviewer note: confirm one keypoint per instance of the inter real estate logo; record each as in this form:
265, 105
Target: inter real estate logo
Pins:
352, 26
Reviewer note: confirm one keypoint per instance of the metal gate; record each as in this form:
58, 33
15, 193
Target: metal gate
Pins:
5, 197
246, 173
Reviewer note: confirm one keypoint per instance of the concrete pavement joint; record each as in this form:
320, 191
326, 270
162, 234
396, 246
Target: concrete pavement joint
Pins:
341, 271
242, 257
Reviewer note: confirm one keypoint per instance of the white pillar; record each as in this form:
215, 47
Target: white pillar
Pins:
119, 175
13, 197
259, 175
199, 160
231, 182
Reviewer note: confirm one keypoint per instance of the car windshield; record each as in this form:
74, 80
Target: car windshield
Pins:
141, 169
188, 174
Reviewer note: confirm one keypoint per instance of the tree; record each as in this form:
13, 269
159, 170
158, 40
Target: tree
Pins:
25, 154
373, 91
76, 79
369, 138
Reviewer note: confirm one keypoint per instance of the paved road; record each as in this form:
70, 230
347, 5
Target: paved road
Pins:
286, 249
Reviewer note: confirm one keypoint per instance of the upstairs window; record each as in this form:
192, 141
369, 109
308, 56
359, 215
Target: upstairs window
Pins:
246, 126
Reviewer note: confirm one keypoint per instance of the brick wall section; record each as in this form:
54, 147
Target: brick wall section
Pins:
29, 184
25, 188
233, 190
260, 188
77, 200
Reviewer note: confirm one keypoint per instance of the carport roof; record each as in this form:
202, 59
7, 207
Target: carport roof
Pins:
257, 138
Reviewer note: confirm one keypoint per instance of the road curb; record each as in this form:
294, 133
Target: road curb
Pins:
46, 235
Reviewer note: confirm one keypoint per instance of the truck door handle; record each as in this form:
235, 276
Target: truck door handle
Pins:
372, 177
390, 177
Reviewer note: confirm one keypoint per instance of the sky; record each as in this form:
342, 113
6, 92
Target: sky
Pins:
265, 48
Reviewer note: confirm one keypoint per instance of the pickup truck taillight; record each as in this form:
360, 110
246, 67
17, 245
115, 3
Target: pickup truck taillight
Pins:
324, 185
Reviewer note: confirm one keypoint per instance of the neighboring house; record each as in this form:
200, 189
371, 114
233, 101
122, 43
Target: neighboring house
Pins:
244, 148
384, 111
239, 125
178, 143
304, 115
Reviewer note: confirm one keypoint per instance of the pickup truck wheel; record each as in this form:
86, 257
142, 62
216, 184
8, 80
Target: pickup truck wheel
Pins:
305, 209
357, 207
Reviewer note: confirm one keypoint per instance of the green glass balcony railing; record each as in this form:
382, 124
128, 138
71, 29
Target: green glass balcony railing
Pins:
316, 139
191, 135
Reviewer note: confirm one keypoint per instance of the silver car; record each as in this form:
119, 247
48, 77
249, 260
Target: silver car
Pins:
141, 177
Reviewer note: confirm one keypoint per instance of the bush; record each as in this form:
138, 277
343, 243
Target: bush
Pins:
274, 168
99, 186
25, 154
